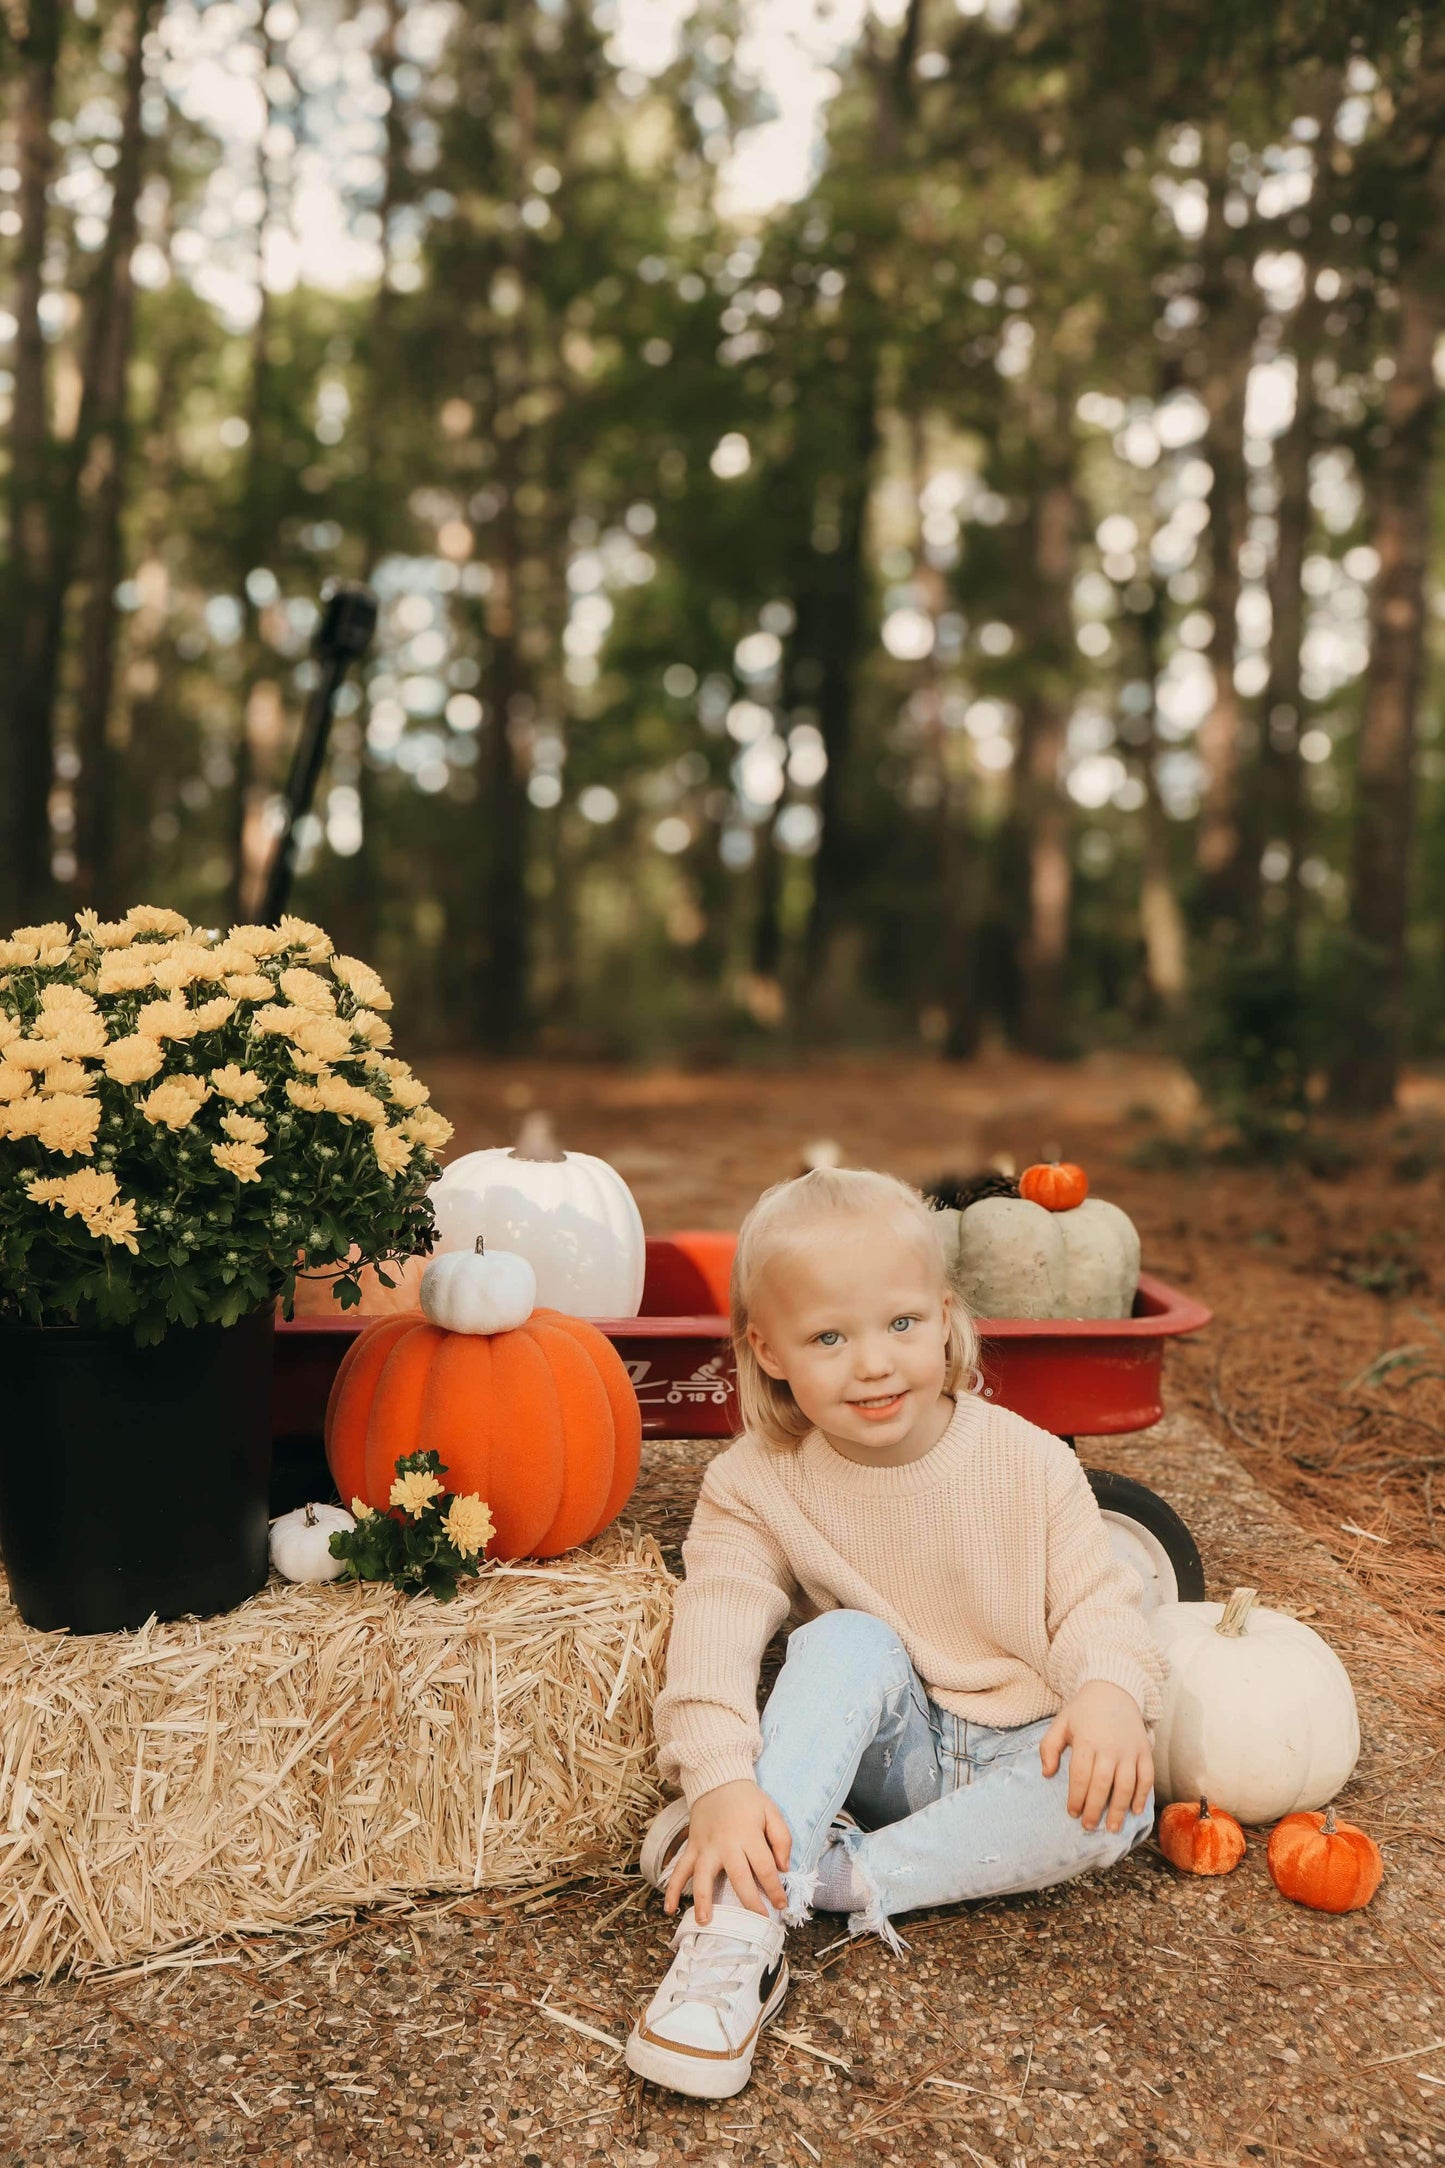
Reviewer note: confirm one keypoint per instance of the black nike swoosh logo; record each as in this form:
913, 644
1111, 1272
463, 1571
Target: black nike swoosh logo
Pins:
769, 1980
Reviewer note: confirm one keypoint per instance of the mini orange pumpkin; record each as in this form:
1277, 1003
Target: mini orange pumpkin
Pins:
1200, 1839
541, 1422
1057, 1184
1331, 1866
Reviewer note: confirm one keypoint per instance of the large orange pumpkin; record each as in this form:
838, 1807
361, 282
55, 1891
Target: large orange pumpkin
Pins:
541, 1423
1331, 1866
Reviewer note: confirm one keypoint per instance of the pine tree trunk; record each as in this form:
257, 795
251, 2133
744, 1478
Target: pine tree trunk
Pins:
25, 755
1161, 922
1229, 335
102, 490
1366, 1065
1043, 1024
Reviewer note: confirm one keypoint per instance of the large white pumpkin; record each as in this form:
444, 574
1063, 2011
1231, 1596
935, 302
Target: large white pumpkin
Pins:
1009, 1257
569, 1214
1259, 1713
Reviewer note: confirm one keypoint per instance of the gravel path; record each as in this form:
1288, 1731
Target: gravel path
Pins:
1141, 2017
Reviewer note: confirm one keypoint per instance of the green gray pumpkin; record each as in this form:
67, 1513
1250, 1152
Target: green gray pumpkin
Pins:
1010, 1258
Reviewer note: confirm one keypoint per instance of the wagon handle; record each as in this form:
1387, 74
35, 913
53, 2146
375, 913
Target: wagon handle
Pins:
343, 635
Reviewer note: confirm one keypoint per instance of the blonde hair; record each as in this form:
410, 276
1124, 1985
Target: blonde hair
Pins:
780, 1216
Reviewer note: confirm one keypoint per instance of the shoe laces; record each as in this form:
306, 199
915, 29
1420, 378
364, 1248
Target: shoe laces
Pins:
711, 1966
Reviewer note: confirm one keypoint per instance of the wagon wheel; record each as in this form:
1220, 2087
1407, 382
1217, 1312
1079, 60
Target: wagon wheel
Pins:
1149, 1537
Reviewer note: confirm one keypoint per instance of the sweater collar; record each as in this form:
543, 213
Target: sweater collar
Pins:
861, 1480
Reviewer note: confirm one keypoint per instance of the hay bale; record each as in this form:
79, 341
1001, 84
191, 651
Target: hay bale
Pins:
323, 1748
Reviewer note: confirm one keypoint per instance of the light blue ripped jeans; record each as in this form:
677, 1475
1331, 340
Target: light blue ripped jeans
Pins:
950, 1810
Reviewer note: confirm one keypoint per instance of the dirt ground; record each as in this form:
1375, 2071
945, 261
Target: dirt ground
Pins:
1139, 2017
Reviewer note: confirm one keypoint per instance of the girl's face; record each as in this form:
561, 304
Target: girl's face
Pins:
856, 1321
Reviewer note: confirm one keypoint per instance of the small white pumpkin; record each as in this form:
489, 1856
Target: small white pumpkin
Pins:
300, 1543
1009, 1257
1259, 1714
478, 1290
569, 1214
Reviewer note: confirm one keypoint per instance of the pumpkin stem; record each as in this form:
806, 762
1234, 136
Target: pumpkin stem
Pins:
537, 1139
481, 1247
1329, 1825
1236, 1612
310, 1516
1204, 1813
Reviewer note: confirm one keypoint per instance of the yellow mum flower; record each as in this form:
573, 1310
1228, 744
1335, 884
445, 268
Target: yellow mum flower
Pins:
308, 990
133, 1059
240, 1085
244, 1128
169, 1019
67, 1076
393, 1065
225, 956
305, 1096
9, 1030
153, 918
276, 1019
373, 1029
243, 1160
393, 1150
46, 1188
360, 1510
323, 1035
34, 1053
14, 1082
53, 934
14, 954
257, 940
427, 1127
311, 1063
176, 1102
105, 933
409, 1091
349, 1100
312, 940
365, 983
248, 986
212, 1014
469, 1525
180, 966
62, 998
78, 1036
414, 1492
66, 1125
124, 971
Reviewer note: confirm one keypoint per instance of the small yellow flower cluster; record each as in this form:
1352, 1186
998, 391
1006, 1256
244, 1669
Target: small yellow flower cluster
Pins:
469, 1524
66, 1125
308, 990
413, 1492
48, 946
363, 981
93, 1198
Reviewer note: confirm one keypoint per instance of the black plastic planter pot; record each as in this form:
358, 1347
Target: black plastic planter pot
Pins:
134, 1479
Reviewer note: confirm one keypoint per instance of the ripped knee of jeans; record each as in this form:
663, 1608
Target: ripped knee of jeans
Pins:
798, 1886
872, 1920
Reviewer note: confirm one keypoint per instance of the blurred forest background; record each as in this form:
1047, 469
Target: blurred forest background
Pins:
899, 525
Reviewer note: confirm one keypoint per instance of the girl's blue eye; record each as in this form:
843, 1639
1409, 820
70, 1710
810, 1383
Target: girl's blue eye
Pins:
828, 1338
905, 1322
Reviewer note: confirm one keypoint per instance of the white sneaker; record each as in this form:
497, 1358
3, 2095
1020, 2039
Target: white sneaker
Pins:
666, 1835
728, 1979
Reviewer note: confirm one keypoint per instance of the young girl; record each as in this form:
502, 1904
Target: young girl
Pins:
975, 1677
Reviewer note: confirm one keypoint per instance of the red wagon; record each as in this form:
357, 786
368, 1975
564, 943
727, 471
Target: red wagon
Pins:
1075, 1376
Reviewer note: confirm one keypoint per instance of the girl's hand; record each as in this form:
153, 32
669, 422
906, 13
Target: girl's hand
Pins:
1110, 1764
734, 1830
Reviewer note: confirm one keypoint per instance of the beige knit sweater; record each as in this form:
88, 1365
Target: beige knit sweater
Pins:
987, 1557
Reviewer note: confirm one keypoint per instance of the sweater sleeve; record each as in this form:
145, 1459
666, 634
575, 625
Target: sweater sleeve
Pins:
736, 1594
1096, 1623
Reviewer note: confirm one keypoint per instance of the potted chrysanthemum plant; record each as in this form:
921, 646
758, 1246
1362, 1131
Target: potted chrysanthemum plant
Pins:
187, 1121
